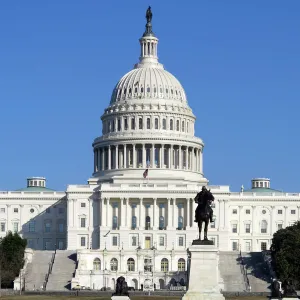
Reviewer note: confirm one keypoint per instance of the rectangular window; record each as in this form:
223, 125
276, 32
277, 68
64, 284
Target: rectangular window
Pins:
32, 226
234, 211
247, 228
293, 212
61, 210
2, 227
82, 241
247, 211
82, 222
125, 124
115, 241
181, 241
16, 210
234, 228
2, 210
279, 211
234, 246
279, 226
147, 242
60, 227
16, 226
248, 246
48, 210
47, 227
82, 204
133, 241
263, 246
161, 241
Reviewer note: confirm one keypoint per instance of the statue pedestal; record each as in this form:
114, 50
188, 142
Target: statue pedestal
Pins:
120, 298
204, 278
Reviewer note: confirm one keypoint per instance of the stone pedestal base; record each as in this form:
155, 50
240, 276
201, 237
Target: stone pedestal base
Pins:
120, 298
204, 278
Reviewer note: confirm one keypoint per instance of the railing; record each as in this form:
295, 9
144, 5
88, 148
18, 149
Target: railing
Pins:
49, 270
244, 272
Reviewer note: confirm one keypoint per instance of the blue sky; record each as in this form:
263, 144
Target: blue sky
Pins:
237, 60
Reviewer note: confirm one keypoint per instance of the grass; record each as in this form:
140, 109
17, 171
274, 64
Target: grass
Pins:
44, 297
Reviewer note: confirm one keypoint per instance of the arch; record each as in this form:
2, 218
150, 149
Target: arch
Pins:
181, 264
135, 284
173, 282
177, 125
113, 284
164, 124
96, 264
130, 264
171, 124
148, 123
164, 265
182, 282
114, 264
161, 284
264, 226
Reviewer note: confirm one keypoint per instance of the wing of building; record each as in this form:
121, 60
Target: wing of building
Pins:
135, 216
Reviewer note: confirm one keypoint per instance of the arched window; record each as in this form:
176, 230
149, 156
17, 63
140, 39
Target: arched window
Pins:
164, 124
156, 123
177, 125
171, 124
181, 265
147, 225
133, 123
133, 221
148, 123
182, 126
113, 126
130, 265
164, 265
114, 264
161, 222
264, 226
97, 264
140, 123
180, 222
187, 126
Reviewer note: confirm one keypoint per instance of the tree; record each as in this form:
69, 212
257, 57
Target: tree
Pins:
285, 251
12, 248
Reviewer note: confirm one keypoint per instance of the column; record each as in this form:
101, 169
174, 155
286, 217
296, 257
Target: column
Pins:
153, 156
253, 222
226, 213
144, 155
125, 156
174, 218
102, 158
117, 157
91, 213
99, 159
180, 157
122, 216
169, 213
162, 156
194, 205
188, 224
133, 156
171, 157
195, 159
192, 159
95, 160
201, 160
221, 216
127, 213
140, 213
187, 158
154, 213
107, 212
109, 158
285, 217
272, 220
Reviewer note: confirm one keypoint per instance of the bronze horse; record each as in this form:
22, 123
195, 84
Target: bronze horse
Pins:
204, 212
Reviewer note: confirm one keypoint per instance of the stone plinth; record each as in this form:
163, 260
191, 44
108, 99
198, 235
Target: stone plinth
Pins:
204, 278
120, 298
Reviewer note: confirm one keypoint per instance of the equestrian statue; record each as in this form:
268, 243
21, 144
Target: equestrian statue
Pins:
204, 212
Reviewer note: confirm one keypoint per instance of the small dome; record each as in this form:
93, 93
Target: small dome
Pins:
148, 82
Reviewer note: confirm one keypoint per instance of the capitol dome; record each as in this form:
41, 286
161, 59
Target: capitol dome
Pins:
149, 81
148, 125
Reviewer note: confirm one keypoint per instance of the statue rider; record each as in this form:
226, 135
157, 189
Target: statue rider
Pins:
200, 200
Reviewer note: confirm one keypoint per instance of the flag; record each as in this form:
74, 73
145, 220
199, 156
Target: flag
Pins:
145, 174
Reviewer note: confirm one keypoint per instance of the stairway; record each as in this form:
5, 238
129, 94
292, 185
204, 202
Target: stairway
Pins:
36, 271
230, 271
257, 271
62, 271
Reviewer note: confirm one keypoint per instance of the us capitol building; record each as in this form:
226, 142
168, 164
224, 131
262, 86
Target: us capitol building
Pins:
135, 216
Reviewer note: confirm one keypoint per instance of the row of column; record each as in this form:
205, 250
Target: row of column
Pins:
124, 209
148, 156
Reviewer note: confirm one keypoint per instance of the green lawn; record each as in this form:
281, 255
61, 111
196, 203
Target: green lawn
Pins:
108, 298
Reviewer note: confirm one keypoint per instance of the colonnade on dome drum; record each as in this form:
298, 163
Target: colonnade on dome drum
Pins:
147, 155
